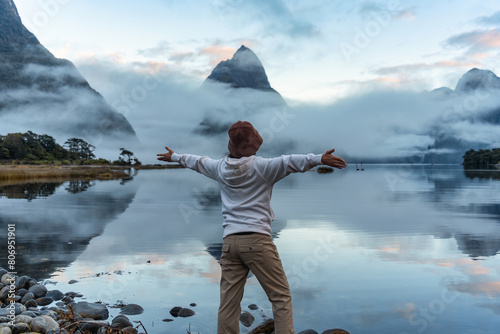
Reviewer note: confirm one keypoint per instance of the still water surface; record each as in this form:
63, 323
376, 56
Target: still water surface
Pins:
391, 249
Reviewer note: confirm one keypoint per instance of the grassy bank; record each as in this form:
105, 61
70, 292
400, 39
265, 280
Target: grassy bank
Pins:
14, 173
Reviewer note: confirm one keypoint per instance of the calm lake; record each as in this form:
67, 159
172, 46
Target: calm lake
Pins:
390, 249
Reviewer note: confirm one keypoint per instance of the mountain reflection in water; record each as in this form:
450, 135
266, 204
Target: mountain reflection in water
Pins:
376, 246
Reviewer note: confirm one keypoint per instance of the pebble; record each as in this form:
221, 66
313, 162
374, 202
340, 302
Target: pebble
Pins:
246, 319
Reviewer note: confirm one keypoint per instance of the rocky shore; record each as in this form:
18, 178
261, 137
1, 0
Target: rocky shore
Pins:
27, 306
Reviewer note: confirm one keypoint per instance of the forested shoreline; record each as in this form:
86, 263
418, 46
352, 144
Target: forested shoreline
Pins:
482, 158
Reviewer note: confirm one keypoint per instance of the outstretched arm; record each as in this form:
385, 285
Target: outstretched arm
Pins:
166, 156
330, 160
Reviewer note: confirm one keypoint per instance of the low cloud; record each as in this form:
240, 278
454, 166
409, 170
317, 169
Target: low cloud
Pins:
477, 40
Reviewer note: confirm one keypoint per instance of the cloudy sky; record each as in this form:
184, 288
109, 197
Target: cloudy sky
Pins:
313, 51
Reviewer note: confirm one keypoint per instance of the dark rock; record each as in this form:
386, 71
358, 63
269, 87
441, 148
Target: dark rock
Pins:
38, 290
164, 320
247, 319
3, 272
335, 331
253, 307
4, 319
91, 327
32, 282
185, 312
175, 311
43, 301
131, 309
308, 331
22, 292
67, 299
22, 282
95, 311
55, 294
73, 294
31, 303
192, 304
121, 321
73, 281
267, 327
21, 328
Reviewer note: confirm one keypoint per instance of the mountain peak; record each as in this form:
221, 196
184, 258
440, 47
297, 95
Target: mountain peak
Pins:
243, 70
477, 79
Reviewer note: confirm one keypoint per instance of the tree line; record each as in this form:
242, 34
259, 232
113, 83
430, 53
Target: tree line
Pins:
481, 158
33, 148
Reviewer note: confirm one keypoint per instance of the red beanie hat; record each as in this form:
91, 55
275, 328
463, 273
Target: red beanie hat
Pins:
244, 139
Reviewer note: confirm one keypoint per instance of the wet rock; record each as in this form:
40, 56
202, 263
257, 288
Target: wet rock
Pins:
131, 309
3, 272
267, 327
38, 290
185, 312
73, 294
253, 307
22, 282
3, 319
308, 331
5, 330
67, 299
27, 296
95, 311
175, 311
168, 320
21, 328
73, 281
247, 319
30, 303
192, 304
44, 301
22, 292
121, 321
335, 331
55, 294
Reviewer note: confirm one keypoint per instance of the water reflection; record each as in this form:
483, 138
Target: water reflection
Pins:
347, 240
29, 191
52, 233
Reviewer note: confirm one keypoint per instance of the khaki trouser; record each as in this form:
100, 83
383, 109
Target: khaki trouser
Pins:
255, 252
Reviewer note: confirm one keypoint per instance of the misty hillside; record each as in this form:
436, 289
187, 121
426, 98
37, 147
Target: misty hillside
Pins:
472, 105
42, 93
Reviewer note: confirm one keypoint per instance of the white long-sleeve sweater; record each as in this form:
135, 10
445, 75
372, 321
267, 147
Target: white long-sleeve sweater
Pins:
246, 185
